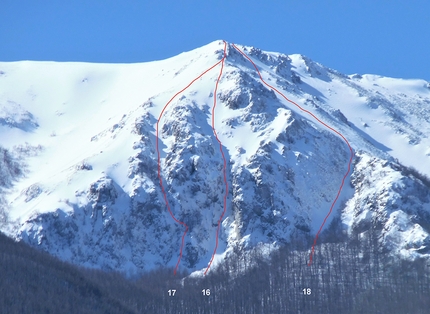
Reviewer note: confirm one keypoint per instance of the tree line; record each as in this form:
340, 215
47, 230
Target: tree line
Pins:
355, 276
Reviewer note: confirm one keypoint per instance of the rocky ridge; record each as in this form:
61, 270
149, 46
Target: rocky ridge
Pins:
90, 192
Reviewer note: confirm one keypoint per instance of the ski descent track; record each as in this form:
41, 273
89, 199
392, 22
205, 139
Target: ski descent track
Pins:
223, 158
222, 153
328, 127
221, 62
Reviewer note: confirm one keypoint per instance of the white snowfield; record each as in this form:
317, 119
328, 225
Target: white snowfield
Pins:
84, 135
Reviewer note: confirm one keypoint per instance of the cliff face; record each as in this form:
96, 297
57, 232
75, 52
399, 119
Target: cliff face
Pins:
81, 180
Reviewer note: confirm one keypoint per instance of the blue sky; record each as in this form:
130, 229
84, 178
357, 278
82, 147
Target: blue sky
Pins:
390, 38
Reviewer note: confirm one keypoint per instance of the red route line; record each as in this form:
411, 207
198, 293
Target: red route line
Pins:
159, 158
327, 126
224, 160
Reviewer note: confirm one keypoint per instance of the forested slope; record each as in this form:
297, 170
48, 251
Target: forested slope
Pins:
354, 277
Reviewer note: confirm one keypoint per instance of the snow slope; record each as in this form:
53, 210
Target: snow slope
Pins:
84, 137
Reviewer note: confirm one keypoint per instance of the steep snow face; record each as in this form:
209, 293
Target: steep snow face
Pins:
80, 177
392, 114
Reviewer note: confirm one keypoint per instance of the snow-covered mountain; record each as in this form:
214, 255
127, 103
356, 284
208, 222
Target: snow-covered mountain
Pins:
79, 171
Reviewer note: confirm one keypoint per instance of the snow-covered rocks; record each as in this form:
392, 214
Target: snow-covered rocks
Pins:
91, 193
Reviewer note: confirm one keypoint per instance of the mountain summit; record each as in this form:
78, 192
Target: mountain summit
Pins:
79, 173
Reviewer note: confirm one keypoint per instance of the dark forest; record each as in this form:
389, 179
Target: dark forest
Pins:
345, 277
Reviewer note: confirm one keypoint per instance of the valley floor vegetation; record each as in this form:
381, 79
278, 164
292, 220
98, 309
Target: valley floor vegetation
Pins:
345, 277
